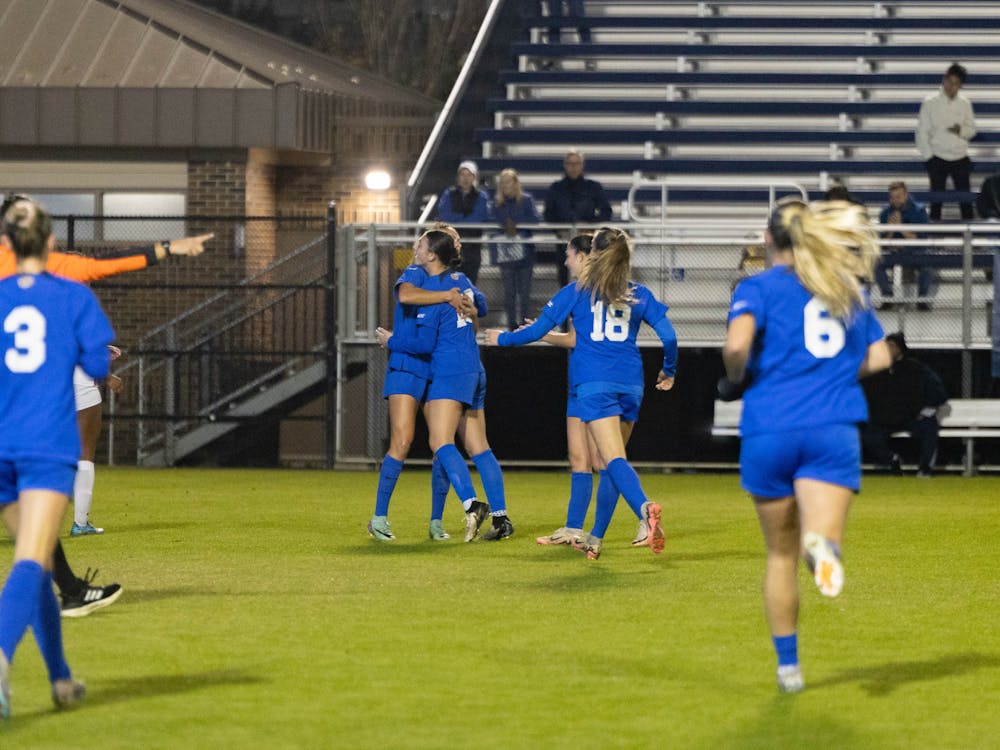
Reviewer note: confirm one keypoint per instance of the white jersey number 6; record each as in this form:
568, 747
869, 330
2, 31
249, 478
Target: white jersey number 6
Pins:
824, 335
29, 327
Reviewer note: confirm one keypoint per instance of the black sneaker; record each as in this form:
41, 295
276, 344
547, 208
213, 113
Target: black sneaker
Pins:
89, 597
502, 528
478, 512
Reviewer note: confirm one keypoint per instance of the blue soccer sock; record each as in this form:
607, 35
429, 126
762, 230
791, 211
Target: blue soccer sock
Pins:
458, 473
627, 483
439, 490
787, 649
387, 478
581, 487
48, 632
492, 477
607, 499
18, 603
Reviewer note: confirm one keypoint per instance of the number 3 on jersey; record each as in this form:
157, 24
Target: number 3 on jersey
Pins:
613, 326
824, 334
29, 327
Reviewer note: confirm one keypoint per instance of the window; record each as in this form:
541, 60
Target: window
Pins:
148, 205
69, 204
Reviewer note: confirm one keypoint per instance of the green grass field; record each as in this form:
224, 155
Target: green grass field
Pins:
258, 614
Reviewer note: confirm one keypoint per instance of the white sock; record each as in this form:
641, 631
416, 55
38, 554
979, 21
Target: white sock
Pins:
83, 491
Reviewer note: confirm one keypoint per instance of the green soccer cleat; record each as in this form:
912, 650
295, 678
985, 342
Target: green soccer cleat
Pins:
378, 528
437, 532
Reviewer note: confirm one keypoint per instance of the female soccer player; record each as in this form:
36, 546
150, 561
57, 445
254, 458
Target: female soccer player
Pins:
406, 381
583, 455
78, 596
607, 309
456, 395
802, 333
49, 326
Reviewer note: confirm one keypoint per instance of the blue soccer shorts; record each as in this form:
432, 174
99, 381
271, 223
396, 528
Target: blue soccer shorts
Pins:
402, 383
34, 474
771, 462
468, 388
599, 405
572, 404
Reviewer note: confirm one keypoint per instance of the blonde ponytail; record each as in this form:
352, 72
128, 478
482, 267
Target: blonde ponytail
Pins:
608, 268
835, 251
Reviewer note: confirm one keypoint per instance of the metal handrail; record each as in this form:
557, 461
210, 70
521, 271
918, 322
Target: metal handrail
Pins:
664, 183
450, 105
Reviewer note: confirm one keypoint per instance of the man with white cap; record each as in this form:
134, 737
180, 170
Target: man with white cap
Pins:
464, 203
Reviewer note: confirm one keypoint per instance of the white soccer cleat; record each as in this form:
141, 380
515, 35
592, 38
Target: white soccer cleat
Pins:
823, 559
790, 679
563, 535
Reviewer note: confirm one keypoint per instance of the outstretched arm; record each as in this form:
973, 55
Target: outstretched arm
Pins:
522, 336
81, 268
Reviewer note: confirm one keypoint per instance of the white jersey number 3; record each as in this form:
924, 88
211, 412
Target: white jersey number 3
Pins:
29, 327
614, 326
824, 335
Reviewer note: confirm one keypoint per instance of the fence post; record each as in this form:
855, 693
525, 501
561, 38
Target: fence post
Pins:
170, 398
330, 324
967, 313
71, 233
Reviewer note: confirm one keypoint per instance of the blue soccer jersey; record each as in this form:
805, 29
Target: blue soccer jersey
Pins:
455, 348
50, 325
404, 323
606, 350
804, 364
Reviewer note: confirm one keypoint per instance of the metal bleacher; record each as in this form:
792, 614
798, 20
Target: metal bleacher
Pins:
815, 93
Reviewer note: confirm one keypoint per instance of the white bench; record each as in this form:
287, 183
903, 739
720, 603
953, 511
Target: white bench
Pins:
968, 419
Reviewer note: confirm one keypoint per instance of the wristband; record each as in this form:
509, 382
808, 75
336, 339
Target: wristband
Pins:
727, 390
166, 247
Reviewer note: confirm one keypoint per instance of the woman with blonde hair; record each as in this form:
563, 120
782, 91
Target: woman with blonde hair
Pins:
800, 336
607, 310
512, 209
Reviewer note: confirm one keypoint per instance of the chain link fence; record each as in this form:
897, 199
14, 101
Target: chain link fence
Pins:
691, 267
238, 338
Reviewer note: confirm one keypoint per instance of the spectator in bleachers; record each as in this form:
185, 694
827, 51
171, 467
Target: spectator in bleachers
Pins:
465, 203
906, 397
839, 192
512, 209
576, 10
944, 129
902, 209
574, 200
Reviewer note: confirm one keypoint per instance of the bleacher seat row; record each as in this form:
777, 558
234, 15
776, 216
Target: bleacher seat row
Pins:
783, 88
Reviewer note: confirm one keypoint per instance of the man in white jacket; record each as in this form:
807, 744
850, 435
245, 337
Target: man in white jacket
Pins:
944, 129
